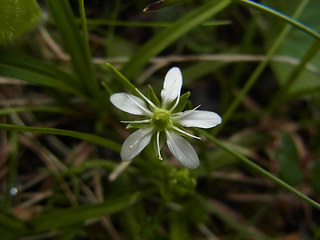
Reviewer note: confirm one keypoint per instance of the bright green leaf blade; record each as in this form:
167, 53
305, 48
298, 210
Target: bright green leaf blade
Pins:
166, 37
81, 135
17, 17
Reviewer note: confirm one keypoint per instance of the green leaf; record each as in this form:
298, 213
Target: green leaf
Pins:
75, 45
162, 4
278, 14
61, 218
17, 17
314, 177
156, 24
36, 78
53, 109
38, 72
286, 154
125, 81
178, 227
11, 224
81, 135
167, 36
259, 169
35, 65
296, 45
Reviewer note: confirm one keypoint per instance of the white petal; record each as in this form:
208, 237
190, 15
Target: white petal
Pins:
171, 86
130, 104
135, 143
198, 118
182, 150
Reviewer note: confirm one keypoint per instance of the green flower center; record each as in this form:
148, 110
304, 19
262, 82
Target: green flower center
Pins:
161, 119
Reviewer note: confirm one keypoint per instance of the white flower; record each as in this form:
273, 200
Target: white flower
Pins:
163, 120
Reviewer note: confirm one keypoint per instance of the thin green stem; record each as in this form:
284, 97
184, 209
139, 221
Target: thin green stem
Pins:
259, 169
282, 16
254, 77
294, 76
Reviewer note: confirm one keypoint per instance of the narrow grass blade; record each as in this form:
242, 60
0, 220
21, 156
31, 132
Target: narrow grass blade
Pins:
55, 131
259, 169
257, 72
36, 78
61, 218
162, 4
75, 44
167, 36
125, 81
284, 17
52, 109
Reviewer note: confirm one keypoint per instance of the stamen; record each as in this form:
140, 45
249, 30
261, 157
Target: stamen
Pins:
146, 99
141, 107
180, 114
137, 121
184, 132
158, 146
175, 104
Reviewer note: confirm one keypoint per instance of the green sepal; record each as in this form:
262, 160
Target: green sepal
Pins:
153, 97
182, 102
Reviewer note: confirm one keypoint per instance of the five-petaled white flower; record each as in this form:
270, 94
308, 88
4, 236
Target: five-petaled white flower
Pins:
163, 120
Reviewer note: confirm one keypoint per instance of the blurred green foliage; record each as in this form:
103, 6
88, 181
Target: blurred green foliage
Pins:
17, 17
61, 175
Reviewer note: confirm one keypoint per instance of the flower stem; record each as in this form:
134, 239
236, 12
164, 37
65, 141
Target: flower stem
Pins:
259, 169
